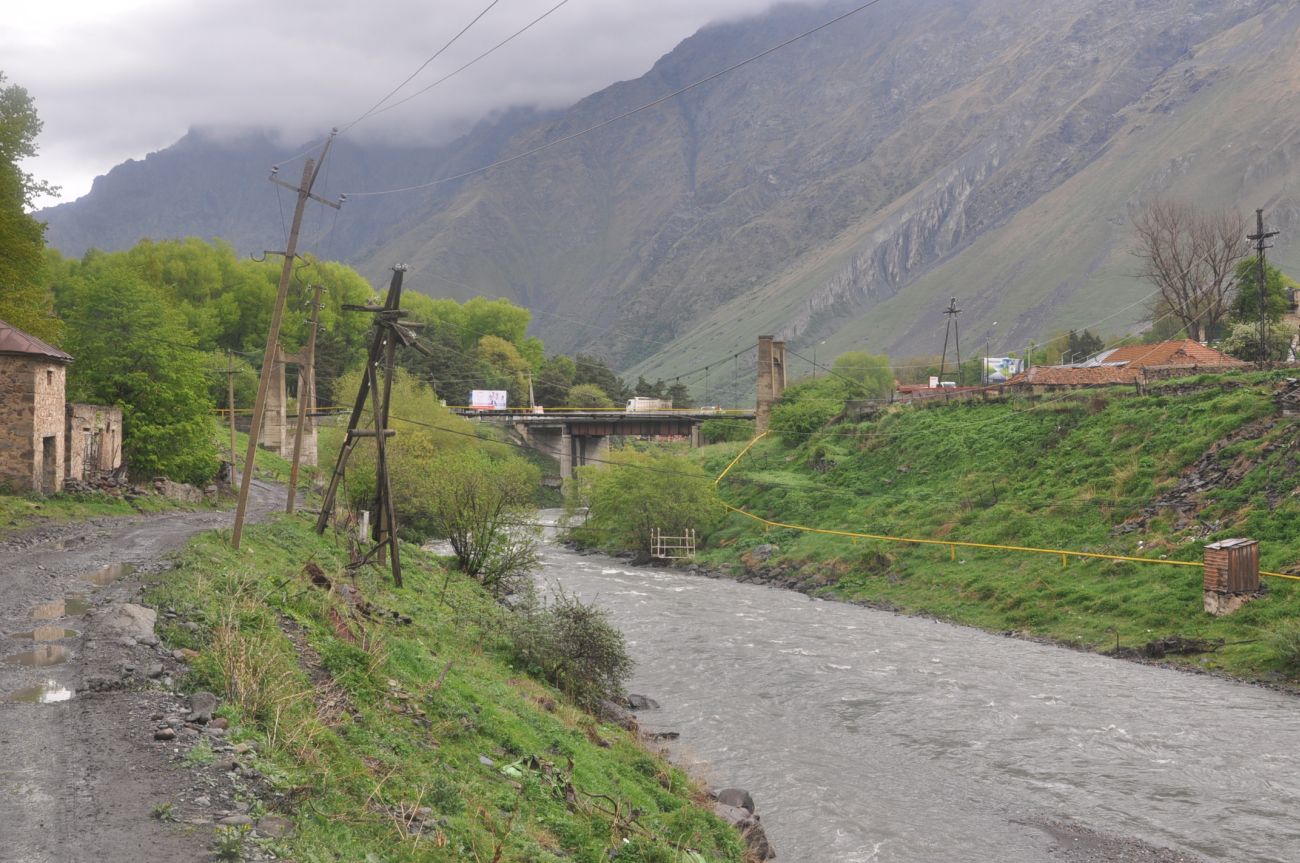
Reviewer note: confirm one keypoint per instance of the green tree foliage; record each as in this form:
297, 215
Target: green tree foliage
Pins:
479, 504
680, 394
806, 407
592, 369
656, 390
871, 375
446, 483
1245, 307
571, 644
552, 382
507, 369
638, 492
25, 300
1242, 342
1079, 347
726, 430
133, 350
587, 396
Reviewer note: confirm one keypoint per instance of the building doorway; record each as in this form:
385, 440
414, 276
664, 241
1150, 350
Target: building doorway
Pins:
49, 465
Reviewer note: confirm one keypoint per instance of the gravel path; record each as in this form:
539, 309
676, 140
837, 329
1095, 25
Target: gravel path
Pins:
80, 771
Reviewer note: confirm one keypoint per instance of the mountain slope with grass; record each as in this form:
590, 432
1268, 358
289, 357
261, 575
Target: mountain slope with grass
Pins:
1108, 472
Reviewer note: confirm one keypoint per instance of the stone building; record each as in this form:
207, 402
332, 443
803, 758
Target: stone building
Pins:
33, 376
93, 441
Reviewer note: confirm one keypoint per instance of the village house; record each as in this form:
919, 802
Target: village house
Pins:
33, 376
1132, 364
43, 439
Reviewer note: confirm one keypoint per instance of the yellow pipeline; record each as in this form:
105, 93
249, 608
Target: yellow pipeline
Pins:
953, 545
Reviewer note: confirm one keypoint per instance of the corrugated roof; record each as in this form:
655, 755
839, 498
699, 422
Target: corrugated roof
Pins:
15, 341
1075, 376
1183, 352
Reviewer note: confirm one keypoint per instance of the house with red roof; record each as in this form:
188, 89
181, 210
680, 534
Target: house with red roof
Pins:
1132, 364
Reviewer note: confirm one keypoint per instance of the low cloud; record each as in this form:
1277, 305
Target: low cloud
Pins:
116, 85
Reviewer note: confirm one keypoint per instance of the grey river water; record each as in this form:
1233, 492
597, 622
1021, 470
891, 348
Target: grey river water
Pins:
866, 736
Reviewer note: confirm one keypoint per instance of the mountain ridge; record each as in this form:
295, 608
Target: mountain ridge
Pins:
839, 190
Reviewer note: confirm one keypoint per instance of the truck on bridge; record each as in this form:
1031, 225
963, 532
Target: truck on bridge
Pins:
641, 403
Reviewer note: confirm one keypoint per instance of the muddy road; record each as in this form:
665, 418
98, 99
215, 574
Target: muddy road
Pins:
80, 770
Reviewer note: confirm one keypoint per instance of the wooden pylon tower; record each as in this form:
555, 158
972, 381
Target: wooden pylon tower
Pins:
388, 331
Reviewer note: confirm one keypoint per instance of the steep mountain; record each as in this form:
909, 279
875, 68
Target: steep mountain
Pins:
838, 191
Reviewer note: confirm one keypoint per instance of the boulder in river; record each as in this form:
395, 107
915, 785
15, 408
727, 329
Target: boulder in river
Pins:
641, 702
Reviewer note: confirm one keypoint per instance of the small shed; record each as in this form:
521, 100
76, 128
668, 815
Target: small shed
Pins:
1231, 574
33, 377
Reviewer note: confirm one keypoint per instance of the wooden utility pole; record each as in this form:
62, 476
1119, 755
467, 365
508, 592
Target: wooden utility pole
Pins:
230, 402
310, 170
387, 332
307, 399
1259, 238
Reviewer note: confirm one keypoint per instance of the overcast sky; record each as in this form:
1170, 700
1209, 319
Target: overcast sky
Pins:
118, 79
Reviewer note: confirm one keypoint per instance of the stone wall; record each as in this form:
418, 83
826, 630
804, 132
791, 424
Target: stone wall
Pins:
94, 440
31, 411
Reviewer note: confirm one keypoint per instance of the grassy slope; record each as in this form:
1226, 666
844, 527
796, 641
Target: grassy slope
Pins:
360, 721
1063, 475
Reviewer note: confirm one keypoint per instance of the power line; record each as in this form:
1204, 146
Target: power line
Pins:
623, 116
436, 54
485, 54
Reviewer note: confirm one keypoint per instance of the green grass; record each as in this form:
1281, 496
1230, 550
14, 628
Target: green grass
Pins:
23, 511
1063, 474
362, 722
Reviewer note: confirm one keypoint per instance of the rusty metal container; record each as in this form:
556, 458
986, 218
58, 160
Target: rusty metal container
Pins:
1232, 566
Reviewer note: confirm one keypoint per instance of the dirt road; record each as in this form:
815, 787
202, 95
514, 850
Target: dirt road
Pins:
81, 774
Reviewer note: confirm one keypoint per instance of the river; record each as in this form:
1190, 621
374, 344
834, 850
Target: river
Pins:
869, 736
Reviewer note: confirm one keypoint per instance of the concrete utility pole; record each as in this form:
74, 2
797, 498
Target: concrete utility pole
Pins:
1259, 237
306, 400
310, 170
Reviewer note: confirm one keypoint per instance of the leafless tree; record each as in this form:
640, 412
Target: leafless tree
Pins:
1190, 255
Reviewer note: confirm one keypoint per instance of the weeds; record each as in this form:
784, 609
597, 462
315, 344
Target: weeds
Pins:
229, 844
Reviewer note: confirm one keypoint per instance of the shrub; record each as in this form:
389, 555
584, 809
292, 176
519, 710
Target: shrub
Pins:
570, 644
1285, 641
726, 430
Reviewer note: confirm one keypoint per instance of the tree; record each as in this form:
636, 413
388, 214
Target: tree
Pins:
1080, 347
587, 396
872, 374
1245, 308
1242, 342
591, 369
1190, 256
133, 350
25, 299
680, 394
478, 504
553, 380
636, 493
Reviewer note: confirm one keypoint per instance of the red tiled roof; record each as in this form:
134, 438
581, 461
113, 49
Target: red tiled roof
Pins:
15, 341
1078, 377
1184, 352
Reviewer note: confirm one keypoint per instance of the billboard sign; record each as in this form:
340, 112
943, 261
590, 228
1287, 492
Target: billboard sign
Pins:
1001, 369
487, 400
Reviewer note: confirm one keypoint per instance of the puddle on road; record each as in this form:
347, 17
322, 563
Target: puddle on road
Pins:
73, 605
108, 574
40, 656
46, 633
49, 692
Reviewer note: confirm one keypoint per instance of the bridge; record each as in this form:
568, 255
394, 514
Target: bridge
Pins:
578, 437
